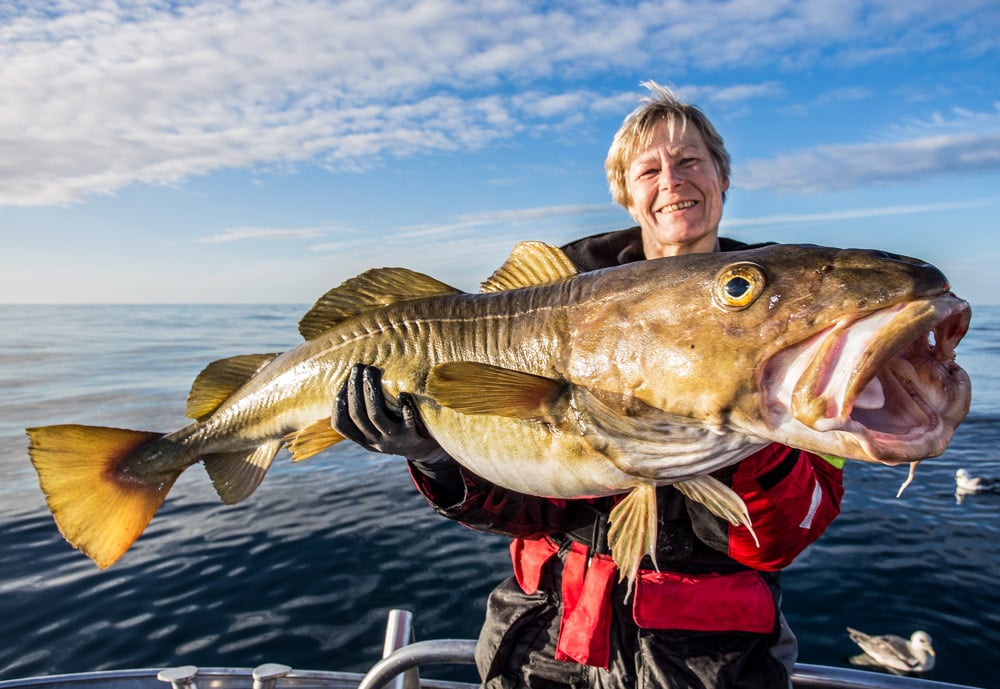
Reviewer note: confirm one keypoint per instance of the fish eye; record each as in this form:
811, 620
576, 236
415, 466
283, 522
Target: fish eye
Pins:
739, 285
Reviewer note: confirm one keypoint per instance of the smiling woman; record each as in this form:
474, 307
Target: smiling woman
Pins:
670, 170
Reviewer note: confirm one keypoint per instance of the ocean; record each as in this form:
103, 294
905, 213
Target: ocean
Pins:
305, 570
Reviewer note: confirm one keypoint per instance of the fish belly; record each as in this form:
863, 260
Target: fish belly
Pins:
525, 456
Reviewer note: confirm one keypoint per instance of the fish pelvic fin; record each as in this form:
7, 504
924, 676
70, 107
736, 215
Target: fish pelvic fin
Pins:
470, 387
99, 506
632, 532
220, 379
530, 264
312, 439
719, 499
371, 290
236, 475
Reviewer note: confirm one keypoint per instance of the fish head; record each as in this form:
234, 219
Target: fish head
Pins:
845, 352
878, 381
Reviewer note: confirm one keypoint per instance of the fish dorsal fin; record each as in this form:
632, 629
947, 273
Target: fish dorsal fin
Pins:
530, 264
474, 388
220, 379
371, 290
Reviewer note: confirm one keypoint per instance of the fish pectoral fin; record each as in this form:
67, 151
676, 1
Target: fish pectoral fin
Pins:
220, 379
236, 475
371, 290
311, 440
632, 531
719, 499
530, 264
471, 387
98, 506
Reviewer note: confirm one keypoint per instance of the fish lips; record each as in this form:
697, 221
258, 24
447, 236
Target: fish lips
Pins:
883, 387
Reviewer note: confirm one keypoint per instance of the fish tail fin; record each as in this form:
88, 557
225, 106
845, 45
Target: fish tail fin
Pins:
632, 533
719, 499
99, 506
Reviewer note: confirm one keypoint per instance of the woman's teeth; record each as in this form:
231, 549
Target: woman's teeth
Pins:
677, 206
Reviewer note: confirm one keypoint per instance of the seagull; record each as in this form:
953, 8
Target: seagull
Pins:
971, 484
968, 485
894, 652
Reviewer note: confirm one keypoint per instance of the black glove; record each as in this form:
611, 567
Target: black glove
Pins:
361, 414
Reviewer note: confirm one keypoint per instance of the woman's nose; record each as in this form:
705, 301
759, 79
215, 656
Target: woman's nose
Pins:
669, 177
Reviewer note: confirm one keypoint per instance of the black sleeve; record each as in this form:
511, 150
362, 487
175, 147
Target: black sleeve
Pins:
481, 505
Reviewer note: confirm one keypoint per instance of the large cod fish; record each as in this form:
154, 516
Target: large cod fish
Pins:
563, 385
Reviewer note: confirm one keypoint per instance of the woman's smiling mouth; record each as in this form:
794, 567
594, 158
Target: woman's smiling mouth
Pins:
680, 205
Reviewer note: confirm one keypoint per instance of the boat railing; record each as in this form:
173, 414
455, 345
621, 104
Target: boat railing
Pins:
398, 669
398, 666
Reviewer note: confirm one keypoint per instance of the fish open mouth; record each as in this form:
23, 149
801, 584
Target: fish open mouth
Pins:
882, 388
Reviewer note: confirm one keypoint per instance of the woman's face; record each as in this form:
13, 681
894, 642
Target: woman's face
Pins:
676, 193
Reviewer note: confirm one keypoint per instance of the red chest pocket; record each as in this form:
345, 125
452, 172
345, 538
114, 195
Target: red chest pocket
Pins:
792, 496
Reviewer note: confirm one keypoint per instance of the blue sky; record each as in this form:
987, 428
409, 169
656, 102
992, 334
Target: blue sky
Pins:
264, 151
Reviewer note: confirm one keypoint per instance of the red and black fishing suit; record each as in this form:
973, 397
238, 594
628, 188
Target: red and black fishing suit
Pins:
709, 616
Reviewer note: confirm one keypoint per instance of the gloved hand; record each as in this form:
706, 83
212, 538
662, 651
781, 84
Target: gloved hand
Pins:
361, 414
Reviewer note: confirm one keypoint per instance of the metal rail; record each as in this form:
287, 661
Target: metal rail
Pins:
398, 669
404, 658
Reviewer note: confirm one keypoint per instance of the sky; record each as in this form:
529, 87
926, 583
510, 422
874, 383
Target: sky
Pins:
264, 151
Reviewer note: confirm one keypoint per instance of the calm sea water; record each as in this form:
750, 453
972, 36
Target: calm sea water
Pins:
305, 570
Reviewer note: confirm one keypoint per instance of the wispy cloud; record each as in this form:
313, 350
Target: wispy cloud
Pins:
535, 214
102, 95
737, 93
242, 234
966, 142
504, 227
854, 214
830, 97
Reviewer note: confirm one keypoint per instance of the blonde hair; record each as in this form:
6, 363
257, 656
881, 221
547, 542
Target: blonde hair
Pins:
636, 132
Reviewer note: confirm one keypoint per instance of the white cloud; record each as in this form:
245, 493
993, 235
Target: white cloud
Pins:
959, 142
832, 168
736, 92
536, 214
99, 96
261, 233
505, 227
853, 214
